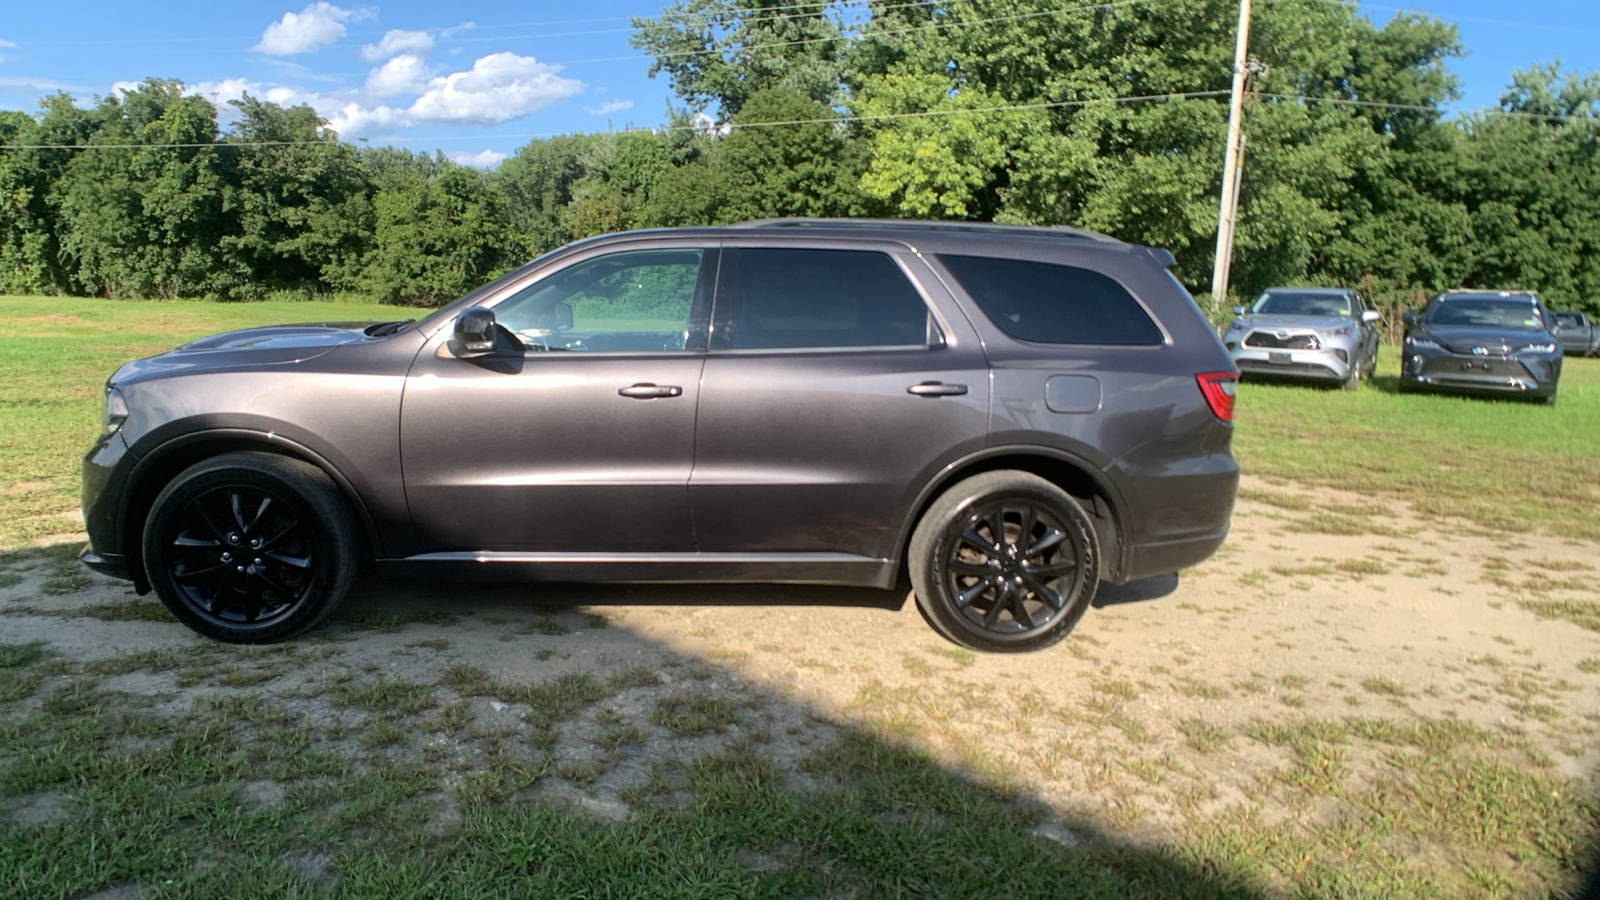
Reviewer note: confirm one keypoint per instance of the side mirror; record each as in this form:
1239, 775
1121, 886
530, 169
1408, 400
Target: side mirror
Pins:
1370, 316
1238, 310
563, 316
1409, 317
474, 334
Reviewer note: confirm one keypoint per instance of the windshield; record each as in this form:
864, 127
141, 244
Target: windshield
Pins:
1302, 303
1486, 313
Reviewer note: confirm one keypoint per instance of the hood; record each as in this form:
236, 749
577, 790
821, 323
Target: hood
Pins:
316, 338
1463, 338
271, 345
1278, 320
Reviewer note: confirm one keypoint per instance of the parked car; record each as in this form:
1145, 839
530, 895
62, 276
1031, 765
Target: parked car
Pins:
1482, 342
1013, 414
1315, 334
1577, 334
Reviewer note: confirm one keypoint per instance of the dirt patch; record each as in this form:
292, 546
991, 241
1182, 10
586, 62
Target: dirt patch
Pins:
1332, 644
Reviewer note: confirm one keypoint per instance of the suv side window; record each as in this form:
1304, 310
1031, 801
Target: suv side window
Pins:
1053, 303
636, 300
801, 298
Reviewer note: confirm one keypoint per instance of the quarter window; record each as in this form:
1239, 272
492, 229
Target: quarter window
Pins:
634, 301
1052, 303
794, 298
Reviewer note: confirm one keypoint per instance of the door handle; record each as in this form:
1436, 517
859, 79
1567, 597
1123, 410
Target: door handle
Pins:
936, 389
651, 391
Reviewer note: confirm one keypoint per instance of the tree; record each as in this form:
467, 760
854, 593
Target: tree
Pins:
300, 199
441, 230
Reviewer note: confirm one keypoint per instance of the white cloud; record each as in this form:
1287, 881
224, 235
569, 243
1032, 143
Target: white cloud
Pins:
352, 120
313, 28
608, 108
402, 75
396, 42
40, 84
6, 43
500, 87
488, 159
448, 33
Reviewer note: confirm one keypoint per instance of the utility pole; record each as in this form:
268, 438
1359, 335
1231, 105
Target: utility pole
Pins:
1229, 205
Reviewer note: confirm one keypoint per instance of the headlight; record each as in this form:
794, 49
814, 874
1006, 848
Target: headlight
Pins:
1236, 325
1538, 348
1341, 331
115, 411
1423, 343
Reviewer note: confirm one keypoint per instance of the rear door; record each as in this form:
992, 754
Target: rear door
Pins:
839, 381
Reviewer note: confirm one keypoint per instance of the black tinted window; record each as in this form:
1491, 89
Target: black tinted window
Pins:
1053, 304
818, 298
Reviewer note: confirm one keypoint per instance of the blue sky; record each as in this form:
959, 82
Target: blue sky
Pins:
479, 78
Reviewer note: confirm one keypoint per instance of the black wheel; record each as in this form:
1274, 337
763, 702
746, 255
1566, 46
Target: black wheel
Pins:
1004, 562
250, 547
1352, 381
1550, 400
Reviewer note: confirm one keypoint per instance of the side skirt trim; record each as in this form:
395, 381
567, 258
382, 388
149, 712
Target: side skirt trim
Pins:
845, 569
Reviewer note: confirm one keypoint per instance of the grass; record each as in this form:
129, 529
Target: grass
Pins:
55, 356
1489, 461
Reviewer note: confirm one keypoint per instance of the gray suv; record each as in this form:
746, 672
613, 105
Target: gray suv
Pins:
1009, 414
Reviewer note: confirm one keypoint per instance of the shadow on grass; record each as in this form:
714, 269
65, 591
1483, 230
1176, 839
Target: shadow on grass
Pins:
99, 791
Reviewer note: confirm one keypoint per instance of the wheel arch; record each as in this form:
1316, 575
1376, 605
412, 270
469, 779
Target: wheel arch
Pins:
1075, 475
156, 469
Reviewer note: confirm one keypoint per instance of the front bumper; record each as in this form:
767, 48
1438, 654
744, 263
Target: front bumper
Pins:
1327, 364
113, 564
1527, 375
101, 498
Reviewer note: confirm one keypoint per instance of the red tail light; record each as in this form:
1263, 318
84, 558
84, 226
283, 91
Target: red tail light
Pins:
1219, 389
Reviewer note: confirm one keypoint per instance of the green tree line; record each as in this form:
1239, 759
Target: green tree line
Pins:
1110, 117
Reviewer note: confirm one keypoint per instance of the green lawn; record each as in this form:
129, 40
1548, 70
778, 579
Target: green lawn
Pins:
1500, 463
55, 355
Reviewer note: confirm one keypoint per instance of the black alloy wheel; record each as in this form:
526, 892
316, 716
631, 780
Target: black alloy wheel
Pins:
1005, 562
250, 547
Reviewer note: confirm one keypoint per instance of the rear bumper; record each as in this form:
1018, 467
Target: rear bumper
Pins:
1164, 557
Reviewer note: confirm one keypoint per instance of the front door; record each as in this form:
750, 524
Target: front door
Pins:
582, 441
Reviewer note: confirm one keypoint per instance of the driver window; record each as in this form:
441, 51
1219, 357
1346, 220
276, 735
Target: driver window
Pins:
633, 301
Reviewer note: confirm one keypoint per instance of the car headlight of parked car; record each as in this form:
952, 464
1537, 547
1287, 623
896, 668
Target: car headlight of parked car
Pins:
1538, 348
115, 411
1341, 331
1414, 343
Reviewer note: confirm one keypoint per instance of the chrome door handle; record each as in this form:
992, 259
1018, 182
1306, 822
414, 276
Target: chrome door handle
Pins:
651, 391
936, 389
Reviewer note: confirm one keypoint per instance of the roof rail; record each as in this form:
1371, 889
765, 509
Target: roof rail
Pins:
930, 225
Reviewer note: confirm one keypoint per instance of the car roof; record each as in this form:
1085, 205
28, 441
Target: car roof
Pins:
1529, 296
1311, 290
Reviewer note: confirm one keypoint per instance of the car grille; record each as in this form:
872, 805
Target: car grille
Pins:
1469, 348
1476, 367
1271, 341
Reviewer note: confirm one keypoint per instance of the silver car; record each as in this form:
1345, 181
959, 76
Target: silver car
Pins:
1316, 334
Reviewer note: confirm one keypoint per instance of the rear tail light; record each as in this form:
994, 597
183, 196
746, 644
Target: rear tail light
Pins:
1219, 389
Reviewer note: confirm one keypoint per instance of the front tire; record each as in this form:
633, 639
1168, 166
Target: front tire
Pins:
1004, 562
250, 548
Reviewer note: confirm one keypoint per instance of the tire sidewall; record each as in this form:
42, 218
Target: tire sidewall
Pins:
307, 491
938, 532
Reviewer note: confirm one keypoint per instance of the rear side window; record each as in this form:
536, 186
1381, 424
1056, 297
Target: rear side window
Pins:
1051, 303
791, 299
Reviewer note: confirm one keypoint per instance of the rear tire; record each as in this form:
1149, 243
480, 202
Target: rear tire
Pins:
1004, 562
250, 547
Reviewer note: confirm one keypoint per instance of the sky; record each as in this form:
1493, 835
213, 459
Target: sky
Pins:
479, 78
